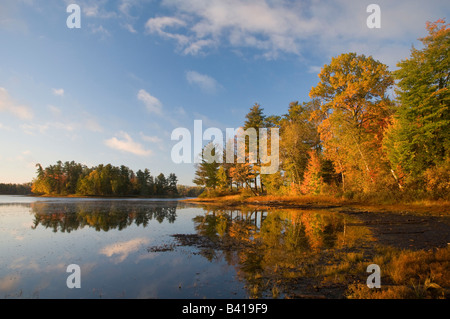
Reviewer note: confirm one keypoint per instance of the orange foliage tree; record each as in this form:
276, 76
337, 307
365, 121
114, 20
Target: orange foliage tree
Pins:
354, 111
312, 179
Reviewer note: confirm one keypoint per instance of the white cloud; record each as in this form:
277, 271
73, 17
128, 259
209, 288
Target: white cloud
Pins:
130, 28
126, 144
91, 11
151, 139
270, 27
100, 30
275, 27
159, 24
7, 104
124, 248
205, 82
152, 103
58, 92
126, 6
95, 9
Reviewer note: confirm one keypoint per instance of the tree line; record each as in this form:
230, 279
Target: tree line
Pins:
71, 178
365, 130
15, 189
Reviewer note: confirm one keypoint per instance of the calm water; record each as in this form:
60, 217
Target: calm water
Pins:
126, 248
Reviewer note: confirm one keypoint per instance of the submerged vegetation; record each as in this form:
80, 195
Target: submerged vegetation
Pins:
281, 252
291, 253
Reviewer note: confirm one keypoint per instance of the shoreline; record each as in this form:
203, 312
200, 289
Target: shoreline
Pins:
102, 197
433, 208
420, 207
420, 225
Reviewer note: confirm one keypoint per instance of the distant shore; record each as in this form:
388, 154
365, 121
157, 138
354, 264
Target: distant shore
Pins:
100, 196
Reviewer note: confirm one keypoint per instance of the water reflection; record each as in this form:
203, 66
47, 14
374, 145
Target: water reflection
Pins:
110, 242
121, 247
102, 216
276, 252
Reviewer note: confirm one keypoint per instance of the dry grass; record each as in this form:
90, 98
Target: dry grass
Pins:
296, 200
409, 275
425, 207
271, 200
214, 199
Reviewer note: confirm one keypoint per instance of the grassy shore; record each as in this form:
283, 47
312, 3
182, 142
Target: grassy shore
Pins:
426, 207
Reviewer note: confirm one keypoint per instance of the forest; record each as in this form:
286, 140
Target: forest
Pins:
366, 132
71, 178
15, 189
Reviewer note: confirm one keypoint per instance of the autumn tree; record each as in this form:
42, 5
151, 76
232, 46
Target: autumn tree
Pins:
312, 180
242, 174
222, 178
354, 111
297, 136
38, 186
51, 180
274, 183
239, 172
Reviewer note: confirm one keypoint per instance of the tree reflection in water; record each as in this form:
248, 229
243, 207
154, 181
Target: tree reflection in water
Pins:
278, 252
103, 216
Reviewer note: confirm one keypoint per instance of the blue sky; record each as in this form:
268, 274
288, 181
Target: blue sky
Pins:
113, 90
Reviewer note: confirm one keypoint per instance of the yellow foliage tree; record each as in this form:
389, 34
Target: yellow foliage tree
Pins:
355, 109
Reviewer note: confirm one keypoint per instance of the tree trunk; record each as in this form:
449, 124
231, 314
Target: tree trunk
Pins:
364, 159
396, 179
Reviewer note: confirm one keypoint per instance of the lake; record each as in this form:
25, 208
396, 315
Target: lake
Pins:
148, 248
